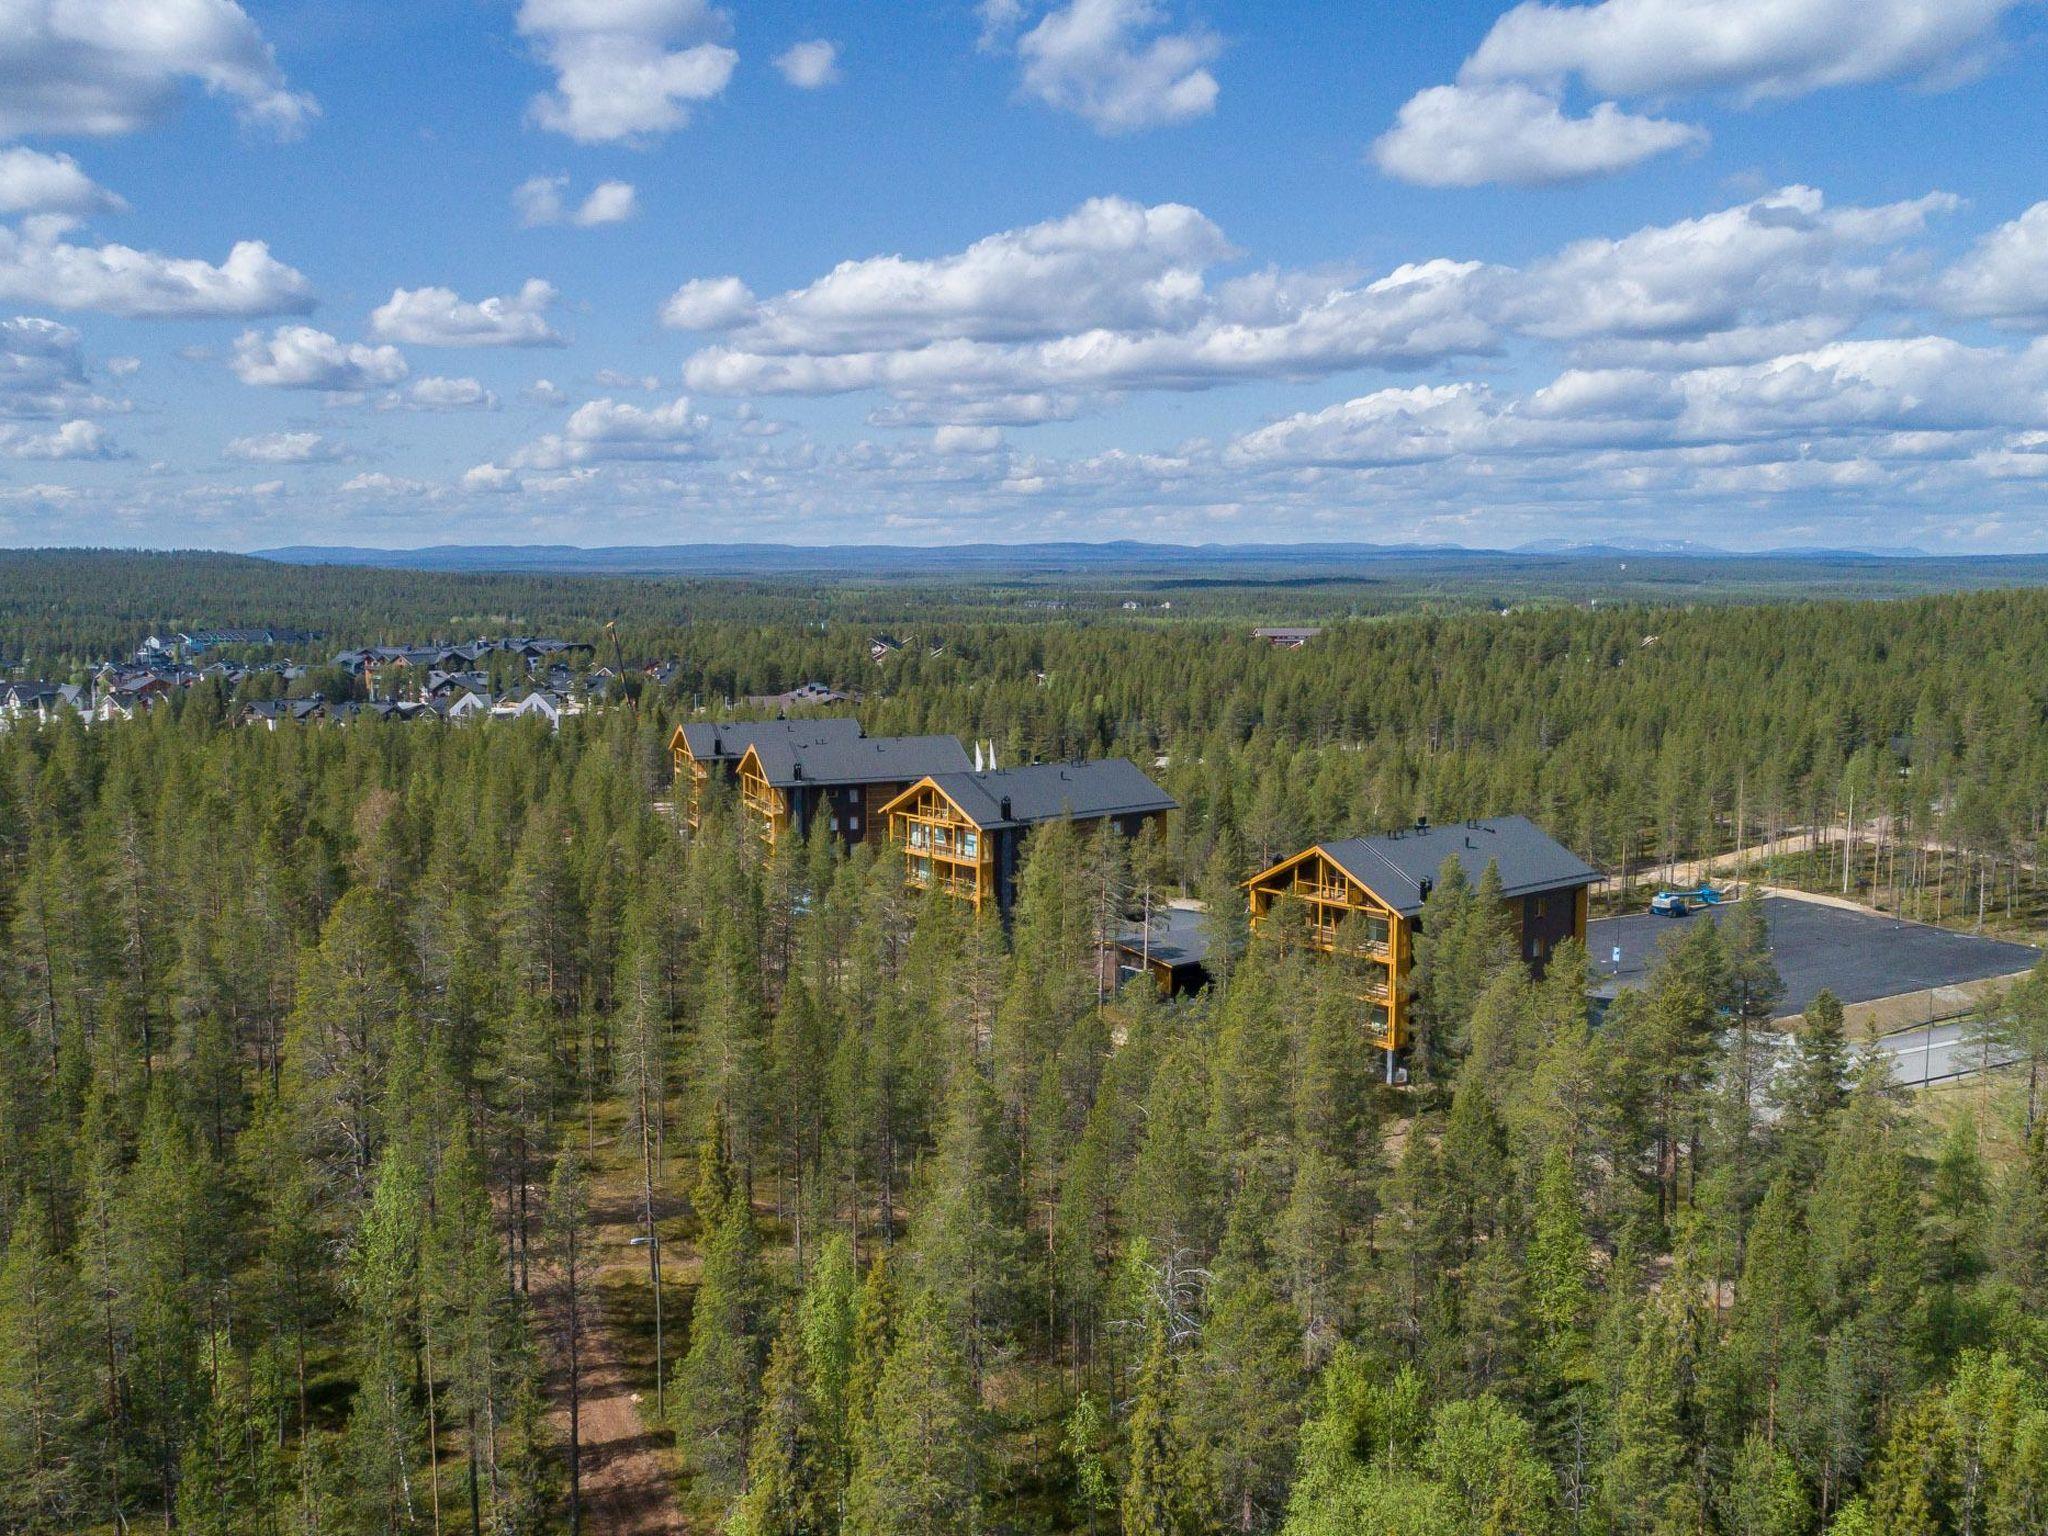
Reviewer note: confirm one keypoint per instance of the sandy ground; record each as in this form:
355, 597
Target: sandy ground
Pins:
629, 1481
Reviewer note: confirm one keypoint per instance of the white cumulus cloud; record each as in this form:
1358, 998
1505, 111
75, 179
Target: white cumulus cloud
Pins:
1740, 275
955, 438
283, 448
377, 483
33, 182
73, 440
607, 430
1466, 135
1111, 263
1780, 49
39, 266
626, 69
440, 317
42, 370
708, 304
1504, 118
540, 201
1121, 65
300, 357
114, 66
2004, 277
438, 393
811, 65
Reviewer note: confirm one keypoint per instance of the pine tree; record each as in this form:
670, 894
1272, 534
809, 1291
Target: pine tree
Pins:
716, 1384
45, 1381
1865, 1219
1153, 1488
465, 1314
1764, 1495
970, 1243
1813, 1088
2019, 1228
1483, 1456
792, 1483
1770, 1363
921, 1470
157, 1223
384, 1427
1241, 1398
874, 1337
1910, 1484
827, 1321
1647, 1486
338, 1043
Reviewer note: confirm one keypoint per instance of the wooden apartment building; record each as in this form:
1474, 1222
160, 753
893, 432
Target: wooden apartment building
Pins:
702, 751
791, 773
1361, 900
965, 831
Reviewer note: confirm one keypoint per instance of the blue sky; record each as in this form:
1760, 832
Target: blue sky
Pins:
603, 271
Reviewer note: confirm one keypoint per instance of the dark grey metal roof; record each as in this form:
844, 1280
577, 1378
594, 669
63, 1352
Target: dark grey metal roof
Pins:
1177, 937
1110, 786
857, 759
1394, 867
728, 743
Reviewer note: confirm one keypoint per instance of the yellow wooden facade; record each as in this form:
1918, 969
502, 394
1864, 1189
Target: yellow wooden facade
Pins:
942, 845
692, 778
764, 804
1343, 919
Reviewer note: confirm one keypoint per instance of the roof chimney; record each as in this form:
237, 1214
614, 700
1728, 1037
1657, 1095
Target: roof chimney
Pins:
1005, 808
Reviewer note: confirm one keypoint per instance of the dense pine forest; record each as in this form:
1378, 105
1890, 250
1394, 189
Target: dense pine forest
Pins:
365, 1089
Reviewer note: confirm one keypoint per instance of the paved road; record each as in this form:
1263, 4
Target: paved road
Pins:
1936, 1053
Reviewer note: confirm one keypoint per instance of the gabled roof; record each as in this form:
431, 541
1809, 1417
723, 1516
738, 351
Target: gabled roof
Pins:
1022, 797
728, 743
1397, 867
857, 759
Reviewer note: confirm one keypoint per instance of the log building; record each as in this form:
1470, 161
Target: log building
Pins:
702, 750
787, 784
965, 832
1361, 900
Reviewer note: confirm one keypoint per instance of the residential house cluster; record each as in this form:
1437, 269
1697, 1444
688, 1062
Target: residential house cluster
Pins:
173, 644
541, 703
455, 682
123, 690
961, 825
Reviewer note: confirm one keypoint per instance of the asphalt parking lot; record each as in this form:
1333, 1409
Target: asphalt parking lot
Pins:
1856, 955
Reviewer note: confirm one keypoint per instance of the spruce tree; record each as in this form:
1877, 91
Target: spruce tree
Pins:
1153, 1489
715, 1387
45, 1381
921, 1469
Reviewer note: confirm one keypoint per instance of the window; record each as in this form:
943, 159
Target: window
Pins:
853, 823
970, 844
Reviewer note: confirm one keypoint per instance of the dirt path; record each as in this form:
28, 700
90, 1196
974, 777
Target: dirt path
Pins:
629, 1470
1694, 872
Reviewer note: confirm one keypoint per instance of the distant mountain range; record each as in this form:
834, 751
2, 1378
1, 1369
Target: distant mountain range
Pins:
959, 559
